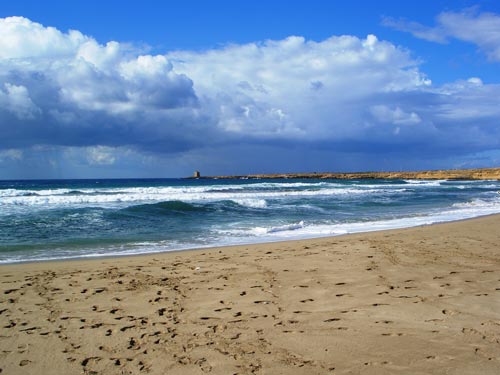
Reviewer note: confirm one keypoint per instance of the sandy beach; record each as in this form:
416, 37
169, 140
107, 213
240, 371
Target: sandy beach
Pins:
422, 300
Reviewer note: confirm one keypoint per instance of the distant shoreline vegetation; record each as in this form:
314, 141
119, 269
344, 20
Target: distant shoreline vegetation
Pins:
450, 174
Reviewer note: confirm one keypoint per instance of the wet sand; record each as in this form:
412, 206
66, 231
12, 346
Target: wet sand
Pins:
415, 301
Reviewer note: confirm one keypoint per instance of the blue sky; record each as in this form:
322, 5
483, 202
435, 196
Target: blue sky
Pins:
158, 89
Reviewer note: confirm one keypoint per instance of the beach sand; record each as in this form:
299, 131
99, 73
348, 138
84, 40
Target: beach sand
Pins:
422, 300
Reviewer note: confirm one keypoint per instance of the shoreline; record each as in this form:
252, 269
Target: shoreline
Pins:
236, 246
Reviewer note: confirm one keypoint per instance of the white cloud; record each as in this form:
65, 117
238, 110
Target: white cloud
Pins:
395, 116
100, 155
306, 89
11, 154
481, 29
470, 100
86, 74
475, 81
104, 78
16, 99
431, 34
24, 39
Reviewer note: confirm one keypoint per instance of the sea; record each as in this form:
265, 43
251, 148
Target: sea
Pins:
70, 219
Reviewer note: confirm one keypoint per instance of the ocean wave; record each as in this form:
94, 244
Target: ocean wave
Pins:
190, 195
17, 193
477, 203
251, 186
277, 229
252, 203
302, 207
289, 184
285, 228
425, 182
225, 189
75, 192
174, 206
312, 230
166, 207
92, 192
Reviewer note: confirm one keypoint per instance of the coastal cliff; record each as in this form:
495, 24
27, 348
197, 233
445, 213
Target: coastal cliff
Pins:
452, 174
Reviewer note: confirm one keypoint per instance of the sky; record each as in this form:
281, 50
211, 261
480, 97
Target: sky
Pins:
117, 89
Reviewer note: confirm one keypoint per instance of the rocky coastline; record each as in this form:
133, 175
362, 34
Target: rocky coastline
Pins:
451, 174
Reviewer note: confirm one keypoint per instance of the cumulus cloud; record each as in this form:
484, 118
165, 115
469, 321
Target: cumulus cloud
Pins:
481, 29
22, 38
344, 93
67, 89
16, 100
298, 89
349, 95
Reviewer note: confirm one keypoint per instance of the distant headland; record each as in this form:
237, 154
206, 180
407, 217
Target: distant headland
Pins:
450, 174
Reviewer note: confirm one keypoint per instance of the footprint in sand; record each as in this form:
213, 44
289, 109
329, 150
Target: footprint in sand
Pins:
223, 309
123, 329
392, 334
161, 311
377, 363
87, 360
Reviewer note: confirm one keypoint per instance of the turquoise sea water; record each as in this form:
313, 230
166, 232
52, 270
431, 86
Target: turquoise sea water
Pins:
60, 219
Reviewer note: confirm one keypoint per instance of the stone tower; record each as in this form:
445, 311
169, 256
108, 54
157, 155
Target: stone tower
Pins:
196, 174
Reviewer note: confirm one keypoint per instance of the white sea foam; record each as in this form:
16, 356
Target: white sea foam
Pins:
253, 203
23, 192
425, 182
458, 211
277, 229
479, 204
154, 190
109, 251
293, 184
107, 197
